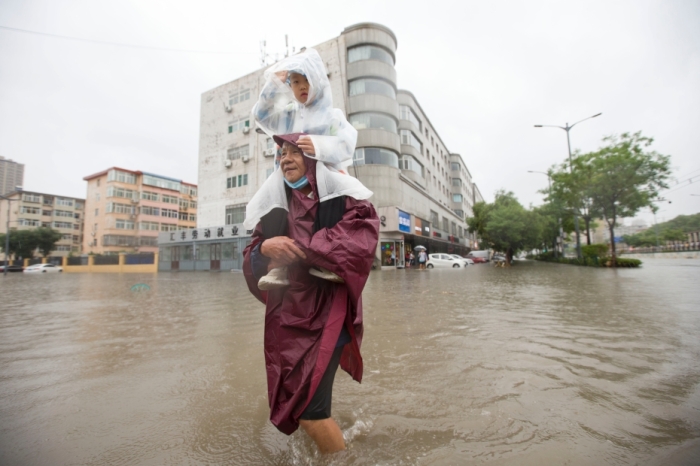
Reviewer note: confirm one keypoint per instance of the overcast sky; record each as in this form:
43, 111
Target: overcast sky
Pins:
484, 72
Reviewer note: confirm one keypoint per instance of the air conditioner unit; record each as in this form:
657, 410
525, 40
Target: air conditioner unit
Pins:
228, 108
132, 216
227, 163
245, 159
134, 201
246, 130
269, 152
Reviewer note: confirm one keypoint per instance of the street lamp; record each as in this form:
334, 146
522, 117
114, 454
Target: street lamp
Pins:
561, 231
18, 189
567, 128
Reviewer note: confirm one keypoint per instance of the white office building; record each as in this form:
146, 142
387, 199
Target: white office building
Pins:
422, 191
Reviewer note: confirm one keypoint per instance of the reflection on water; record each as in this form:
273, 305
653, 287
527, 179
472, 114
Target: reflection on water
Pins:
537, 364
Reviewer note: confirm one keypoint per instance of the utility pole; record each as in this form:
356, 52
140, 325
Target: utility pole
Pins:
567, 128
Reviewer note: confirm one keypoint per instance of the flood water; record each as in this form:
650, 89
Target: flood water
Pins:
536, 364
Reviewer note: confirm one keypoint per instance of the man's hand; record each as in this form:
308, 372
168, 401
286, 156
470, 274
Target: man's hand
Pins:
306, 146
282, 250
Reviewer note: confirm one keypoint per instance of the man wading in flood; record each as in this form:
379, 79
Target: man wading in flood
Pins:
313, 324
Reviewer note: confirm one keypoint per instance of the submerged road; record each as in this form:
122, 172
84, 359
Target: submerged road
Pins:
536, 364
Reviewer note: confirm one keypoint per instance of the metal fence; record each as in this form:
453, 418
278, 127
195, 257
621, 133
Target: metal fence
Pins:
133, 259
105, 260
82, 260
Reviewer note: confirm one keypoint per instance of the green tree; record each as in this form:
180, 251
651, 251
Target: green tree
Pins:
46, 239
22, 243
505, 225
625, 177
571, 188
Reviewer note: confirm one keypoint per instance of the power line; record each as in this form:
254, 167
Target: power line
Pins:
116, 44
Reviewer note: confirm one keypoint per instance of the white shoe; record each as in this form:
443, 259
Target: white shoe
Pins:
275, 278
325, 274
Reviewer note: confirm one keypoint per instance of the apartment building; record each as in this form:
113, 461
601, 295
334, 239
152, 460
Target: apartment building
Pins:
11, 175
422, 191
29, 210
125, 210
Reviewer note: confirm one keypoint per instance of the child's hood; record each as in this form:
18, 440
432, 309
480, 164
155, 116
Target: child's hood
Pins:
310, 64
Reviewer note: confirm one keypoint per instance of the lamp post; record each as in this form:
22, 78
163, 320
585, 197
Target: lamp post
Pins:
567, 128
561, 231
18, 189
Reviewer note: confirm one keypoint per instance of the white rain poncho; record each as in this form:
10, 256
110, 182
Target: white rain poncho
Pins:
277, 112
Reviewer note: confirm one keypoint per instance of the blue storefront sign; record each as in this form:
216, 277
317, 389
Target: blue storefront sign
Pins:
404, 221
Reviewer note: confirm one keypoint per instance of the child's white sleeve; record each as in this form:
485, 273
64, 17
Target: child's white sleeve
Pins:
274, 108
338, 147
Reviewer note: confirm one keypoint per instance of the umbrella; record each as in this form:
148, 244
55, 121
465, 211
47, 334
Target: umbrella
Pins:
418, 248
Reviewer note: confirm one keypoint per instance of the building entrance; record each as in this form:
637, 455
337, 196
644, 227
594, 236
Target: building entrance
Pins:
392, 253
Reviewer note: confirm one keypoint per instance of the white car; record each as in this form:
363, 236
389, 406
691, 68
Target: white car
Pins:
443, 260
43, 268
463, 259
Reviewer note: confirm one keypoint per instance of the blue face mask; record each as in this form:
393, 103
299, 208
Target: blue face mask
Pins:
298, 184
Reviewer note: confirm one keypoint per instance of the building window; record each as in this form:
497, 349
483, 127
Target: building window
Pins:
373, 121
168, 213
241, 123
97, 196
370, 52
62, 225
235, 214
119, 240
238, 152
149, 196
160, 182
29, 210
30, 222
97, 212
410, 139
454, 166
406, 113
149, 226
120, 176
445, 224
114, 191
457, 198
168, 227
63, 213
64, 202
456, 182
237, 181
454, 228
193, 218
409, 162
375, 156
459, 213
150, 210
434, 218
372, 86
122, 224
240, 96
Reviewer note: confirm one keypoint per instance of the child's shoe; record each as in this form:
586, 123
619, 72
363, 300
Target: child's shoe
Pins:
320, 272
275, 278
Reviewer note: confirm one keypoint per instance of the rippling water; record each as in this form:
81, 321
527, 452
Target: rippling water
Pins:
537, 364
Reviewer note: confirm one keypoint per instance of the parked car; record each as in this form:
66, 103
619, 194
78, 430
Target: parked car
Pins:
443, 260
43, 268
463, 259
481, 254
11, 268
498, 258
478, 260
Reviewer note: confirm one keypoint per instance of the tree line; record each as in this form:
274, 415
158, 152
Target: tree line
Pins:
618, 180
23, 243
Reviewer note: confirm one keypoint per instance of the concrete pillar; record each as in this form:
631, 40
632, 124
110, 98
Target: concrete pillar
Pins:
25, 263
91, 262
122, 261
64, 261
44, 260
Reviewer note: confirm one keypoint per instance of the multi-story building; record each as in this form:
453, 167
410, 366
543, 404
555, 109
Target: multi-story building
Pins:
29, 210
125, 210
11, 175
422, 192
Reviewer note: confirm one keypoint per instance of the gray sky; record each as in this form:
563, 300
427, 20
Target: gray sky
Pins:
485, 73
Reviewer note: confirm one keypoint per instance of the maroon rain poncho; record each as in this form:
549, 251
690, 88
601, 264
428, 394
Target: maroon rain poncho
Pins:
303, 321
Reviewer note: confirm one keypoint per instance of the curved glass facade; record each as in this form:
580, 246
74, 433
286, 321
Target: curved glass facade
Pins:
375, 156
372, 86
409, 162
369, 52
407, 113
370, 120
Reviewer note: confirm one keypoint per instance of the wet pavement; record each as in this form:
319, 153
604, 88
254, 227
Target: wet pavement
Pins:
536, 364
